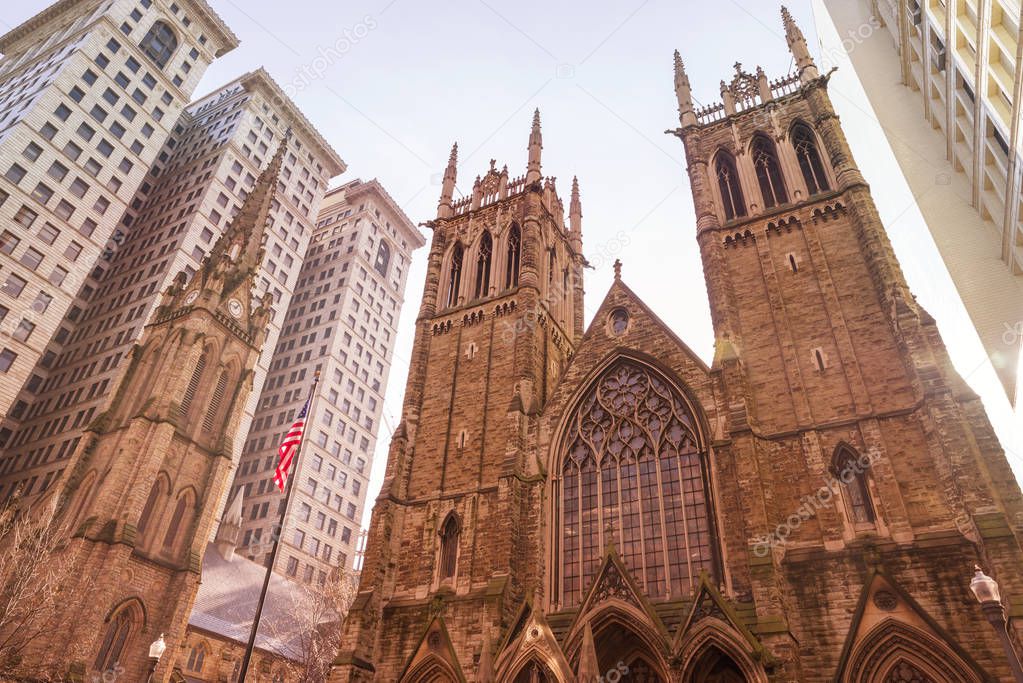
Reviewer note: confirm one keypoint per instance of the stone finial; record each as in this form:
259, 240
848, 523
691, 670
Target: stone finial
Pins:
797, 45
535, 147
618, 269
447, 191
684, 93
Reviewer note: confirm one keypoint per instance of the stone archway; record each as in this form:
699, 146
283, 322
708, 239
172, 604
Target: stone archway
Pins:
714, 666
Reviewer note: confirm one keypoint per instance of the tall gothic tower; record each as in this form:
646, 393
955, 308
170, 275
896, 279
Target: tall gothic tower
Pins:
454, 532
567, 506
145, 486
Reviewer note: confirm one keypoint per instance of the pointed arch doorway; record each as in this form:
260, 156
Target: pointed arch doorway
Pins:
715, 667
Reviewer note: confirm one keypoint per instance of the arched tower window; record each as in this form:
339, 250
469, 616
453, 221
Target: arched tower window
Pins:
809, 157
849, 468
193, 385
455, 275
209, 421
149, 509
633, 471
765, 161
483, 260
119, 630
728, 184
180, 519
159, 44
449, 534
383, 258
511, 278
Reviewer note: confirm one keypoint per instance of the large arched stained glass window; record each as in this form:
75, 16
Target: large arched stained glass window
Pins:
633, 472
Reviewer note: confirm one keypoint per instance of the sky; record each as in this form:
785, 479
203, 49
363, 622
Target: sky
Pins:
391, 84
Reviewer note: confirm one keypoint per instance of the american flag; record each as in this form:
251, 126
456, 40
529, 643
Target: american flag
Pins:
289, 447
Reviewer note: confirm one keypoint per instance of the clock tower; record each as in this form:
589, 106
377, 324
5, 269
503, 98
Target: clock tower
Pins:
148, 479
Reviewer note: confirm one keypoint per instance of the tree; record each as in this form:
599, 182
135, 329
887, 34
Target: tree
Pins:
309, 627
33, 574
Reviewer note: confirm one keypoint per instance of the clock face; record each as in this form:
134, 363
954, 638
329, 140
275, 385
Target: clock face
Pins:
235, 307
192, 296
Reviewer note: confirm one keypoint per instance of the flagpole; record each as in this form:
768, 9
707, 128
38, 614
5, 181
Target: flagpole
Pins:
288, 487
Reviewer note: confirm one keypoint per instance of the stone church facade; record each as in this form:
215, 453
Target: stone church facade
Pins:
564, 504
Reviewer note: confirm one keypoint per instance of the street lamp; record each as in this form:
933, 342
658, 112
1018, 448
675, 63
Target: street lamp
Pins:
159, 646
986, 590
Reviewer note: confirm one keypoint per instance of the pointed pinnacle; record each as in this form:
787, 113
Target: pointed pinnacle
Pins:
792, 30
453, 159
680, 67
575, 186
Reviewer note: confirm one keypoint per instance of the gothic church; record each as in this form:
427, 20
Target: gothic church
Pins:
564, 504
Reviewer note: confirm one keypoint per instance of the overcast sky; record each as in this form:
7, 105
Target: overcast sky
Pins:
392, 83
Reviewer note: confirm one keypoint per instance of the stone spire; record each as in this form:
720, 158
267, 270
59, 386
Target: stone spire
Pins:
447, 191
535, 146
797, 45
684, 93
237, 256
575, 209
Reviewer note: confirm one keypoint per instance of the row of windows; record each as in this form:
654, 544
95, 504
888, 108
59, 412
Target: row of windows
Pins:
481, 274
767, 169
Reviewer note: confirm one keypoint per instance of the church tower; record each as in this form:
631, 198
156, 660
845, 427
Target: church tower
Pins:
146, 485
868, 479
454, 541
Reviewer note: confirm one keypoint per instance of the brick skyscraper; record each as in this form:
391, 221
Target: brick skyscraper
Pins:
343, 322
562, 506
89, 93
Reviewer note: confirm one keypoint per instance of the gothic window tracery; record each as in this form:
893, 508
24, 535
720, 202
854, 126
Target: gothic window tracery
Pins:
119, 631
810, 163
179, 521
483, 259
632, 471
728, 184
847, 467
904, 672
769, 176
455, 275
514, 256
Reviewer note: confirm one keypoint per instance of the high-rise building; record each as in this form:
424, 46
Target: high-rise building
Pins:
342, 321
944, 81
151, 474
89, 93
196, 185
561, 506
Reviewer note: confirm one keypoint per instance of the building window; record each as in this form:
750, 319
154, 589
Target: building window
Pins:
455, 275
511, 278
765, 162
159, 44
851, 470
633, 472
483, 259
449, 547
809, 157
118, 632
178, 521
728, 184
197, 657
383, 258
7, 358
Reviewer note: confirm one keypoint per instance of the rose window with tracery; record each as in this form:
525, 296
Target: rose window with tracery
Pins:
633, 472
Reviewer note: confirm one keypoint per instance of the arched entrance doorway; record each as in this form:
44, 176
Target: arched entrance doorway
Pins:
715, 667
